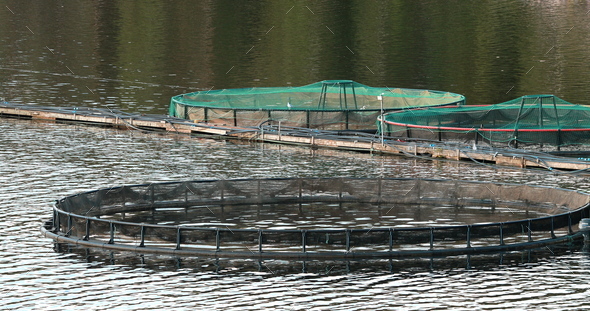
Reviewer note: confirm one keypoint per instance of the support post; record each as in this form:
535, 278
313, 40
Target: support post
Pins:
142, 236
69, 225
303, 240
260, 241
111, 232
530, 231
391, 230
178, 237
217, 240
347, 240
87, 233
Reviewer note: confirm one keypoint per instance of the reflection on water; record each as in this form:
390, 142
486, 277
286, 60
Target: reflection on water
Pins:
135, 56
275, 267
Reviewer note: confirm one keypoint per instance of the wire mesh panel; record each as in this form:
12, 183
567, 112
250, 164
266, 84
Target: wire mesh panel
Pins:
307, 217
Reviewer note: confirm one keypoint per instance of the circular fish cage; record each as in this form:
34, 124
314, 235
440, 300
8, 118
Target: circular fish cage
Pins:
319, 218
528, 120
328, 105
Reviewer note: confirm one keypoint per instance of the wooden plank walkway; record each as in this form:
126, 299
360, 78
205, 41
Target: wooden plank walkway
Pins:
297, 136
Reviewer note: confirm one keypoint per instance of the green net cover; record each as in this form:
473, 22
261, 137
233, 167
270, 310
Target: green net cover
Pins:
537, 119
326, 104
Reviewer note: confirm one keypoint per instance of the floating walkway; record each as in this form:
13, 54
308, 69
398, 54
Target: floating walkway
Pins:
273, 132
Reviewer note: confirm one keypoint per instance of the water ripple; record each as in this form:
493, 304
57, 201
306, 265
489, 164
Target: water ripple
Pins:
43, 162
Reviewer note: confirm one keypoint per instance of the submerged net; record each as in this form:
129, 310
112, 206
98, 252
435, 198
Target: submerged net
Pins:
531, 119
330, 104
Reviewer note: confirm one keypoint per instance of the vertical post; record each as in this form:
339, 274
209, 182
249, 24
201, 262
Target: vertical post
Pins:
343, 86
501, 233
69, 225
340, 95
558, 126
468, 236
142, 236
530, 231
553, 227
152, 194
516, 123
347, 240
54, 216
260, 241
304, 240
391, 239
123, 196
57, 222
346, 119
217, 240
569, 223
279, 129
431, 238
322, 94
87, 233
178, 237
382, 123
353, 95
111, 232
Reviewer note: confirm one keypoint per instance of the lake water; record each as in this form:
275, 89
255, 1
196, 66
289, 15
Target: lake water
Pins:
135, 55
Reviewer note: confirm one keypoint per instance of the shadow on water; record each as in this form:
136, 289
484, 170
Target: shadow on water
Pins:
273, 267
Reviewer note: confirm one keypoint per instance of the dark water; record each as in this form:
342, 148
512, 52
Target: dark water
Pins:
134, 55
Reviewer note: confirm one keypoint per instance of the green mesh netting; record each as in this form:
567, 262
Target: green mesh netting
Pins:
536, 119
331, 104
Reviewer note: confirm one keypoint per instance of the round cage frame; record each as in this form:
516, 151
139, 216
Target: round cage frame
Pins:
96, 218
